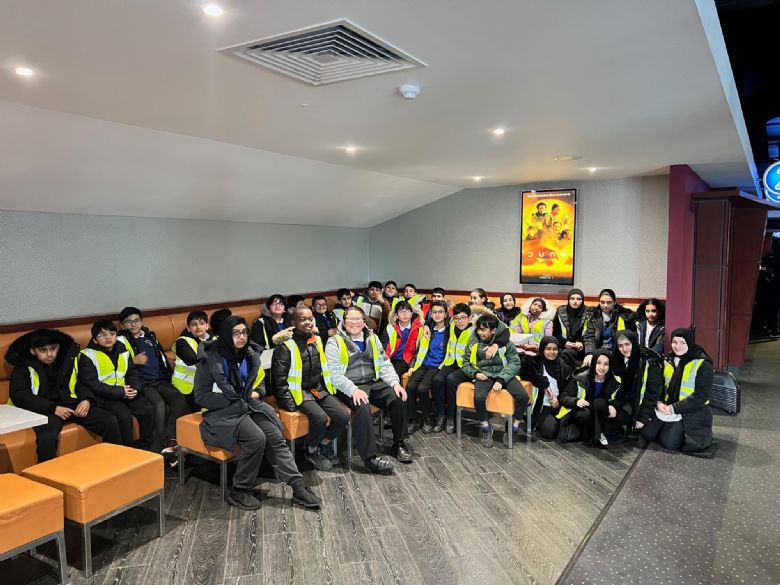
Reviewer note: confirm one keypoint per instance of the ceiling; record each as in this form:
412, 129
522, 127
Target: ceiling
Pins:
132, 111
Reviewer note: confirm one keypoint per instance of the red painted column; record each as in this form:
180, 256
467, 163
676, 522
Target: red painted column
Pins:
683, 182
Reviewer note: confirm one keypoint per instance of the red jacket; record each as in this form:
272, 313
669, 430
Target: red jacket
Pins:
411, 342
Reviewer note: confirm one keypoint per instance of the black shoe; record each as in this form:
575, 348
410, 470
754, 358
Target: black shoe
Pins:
487, 437
428, 426
327, 451
243, 500
412, 427
304, 497
642, 442
318, 460
450, 427
439, 426
378, 465
401, 453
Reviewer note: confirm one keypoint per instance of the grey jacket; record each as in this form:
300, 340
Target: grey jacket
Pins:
361, 364
226, 406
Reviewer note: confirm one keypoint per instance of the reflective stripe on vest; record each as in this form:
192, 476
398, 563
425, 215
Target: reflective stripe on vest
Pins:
422, 350
644, 384
516, 321
392, 335
536, 330
473, 356
183, 378
565, 332
261, 323
456, 346
295, 374
580, 395
106, 372
344, 353
126, 342
339, 314
688, 382
35, 382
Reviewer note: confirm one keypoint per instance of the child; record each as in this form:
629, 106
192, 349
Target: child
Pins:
535, 320
400, 336
185, 348
273, 318
493, 374
445, 383
324, 320
344, 297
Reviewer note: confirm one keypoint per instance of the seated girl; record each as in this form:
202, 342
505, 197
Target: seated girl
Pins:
550, 375
650, 325
569, 326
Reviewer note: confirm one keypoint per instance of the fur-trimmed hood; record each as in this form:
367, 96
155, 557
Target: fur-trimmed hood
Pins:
286, 335
477, 311
18, 352
547, 315
416, 310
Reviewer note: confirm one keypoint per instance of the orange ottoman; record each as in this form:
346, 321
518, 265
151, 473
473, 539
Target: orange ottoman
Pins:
189, 441
30, 514
497, 402
100, 482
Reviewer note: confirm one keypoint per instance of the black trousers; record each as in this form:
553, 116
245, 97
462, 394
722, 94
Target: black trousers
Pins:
124, 411
573, 357
669, 434
419, 387
401, 367
614, 427
259, 437
99, 421
592, 419
162, 394
483, 387
327, 419
446, 384
546, 423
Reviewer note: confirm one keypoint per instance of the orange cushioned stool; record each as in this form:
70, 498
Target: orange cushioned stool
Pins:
189, 441
100, 482
30, 514
497, 402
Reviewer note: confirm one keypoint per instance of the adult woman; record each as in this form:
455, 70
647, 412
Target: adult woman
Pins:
682, 419
229, 383
591, 396
569, 326
478, 298
641, 375
605, 320
650, 325
509, 310
550, 375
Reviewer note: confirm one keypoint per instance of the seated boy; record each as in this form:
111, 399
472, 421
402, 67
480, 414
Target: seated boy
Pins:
42, 381
437, 294
186, 350
373, 304
493, 374
390, 293
399, 338
324, 320
106, 369
411, 296
431, 348
446, 381
302, 382
344, 297
152, 366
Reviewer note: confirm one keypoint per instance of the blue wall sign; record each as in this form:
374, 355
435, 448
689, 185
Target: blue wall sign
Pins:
772, 182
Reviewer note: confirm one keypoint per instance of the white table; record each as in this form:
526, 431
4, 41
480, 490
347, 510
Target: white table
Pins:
15, 419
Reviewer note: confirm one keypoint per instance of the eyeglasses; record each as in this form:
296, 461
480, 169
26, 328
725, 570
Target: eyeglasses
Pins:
461, 317
105, 334
131, 322
354, 319
277, 303
438, 312
242, 333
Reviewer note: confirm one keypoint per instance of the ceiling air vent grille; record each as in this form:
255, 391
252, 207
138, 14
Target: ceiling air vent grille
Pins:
325, 53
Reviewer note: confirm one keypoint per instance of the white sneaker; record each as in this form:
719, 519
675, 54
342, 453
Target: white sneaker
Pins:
603, 440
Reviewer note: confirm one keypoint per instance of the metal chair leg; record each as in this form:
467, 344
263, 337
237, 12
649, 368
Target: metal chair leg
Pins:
381, 426
335, 443
62, 557
509, 429
223, 479
458, 413
181, 466
528, 430
160, 513
86, 547
349, 441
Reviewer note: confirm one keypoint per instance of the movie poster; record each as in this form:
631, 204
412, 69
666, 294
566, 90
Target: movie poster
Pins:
547, 238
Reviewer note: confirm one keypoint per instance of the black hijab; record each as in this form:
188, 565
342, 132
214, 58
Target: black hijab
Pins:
673, 389
507, 315
552, 367
575, 316
228, 351
627, 371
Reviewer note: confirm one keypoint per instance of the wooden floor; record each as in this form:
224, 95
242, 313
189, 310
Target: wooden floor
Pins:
458, 514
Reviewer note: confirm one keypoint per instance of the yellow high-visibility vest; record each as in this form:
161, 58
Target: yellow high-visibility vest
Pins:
295, 374
183, 378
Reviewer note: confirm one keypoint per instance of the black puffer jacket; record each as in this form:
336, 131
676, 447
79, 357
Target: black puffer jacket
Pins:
54, 380
280, 367
568, 397
653, 363
88, 375
226, 406
561, 322
592, 339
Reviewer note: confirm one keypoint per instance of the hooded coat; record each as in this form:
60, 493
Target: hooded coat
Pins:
558, 369
227, 405
592, 339
642, 361
569, 396
411, 342
54, 380
264, 328
165, 368
310, 366
571, 321
495, 367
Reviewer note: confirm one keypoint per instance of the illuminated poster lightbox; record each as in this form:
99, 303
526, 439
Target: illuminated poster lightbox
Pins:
547, 238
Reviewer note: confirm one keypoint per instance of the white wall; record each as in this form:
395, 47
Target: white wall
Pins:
61, 265
472, 238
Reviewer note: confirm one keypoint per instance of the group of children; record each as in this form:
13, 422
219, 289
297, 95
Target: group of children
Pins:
599, 374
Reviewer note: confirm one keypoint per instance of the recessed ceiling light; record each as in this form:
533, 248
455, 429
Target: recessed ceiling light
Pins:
350, 149
592, 169
566, 157
477, 179
24, 72
499, 131
213, 10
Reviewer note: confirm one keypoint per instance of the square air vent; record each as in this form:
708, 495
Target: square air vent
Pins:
325, 53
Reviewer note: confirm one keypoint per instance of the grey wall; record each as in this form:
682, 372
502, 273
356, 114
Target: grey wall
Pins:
472, 238
60, 265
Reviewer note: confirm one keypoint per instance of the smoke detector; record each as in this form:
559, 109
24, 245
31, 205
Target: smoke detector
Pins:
409, 91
